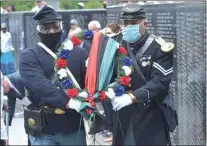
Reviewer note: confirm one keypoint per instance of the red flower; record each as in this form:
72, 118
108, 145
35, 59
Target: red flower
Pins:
75, 40
61, 63
89, 111
93, 104
122, 50
87, 99
102, 96
72, 92
125, 80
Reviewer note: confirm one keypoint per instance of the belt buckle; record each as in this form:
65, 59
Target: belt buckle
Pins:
59, 111
31, 122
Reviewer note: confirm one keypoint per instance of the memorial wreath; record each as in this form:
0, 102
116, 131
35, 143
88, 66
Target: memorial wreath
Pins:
88, 102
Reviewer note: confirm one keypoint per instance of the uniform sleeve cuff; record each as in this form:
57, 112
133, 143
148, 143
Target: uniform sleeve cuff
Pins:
142, 95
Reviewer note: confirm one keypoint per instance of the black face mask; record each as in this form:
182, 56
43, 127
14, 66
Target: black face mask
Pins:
52, 40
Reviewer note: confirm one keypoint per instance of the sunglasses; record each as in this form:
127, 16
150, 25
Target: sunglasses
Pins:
38, 1
108, 32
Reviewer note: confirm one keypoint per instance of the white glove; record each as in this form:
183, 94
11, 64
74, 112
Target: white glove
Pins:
74, 104
121, 101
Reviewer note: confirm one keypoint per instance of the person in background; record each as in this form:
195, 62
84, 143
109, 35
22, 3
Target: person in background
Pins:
4, 137
7, 58
3, 11
39, 5
11, 8
13, 88
104, 4
113, 29
81, 5
74, 29
94, 26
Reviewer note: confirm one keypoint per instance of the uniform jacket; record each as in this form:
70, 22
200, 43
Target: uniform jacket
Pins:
36, 67
147, 119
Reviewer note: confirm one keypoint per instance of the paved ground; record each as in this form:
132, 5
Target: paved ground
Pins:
17, 134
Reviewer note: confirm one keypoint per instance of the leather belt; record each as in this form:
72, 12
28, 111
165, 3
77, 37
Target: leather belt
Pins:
47, 109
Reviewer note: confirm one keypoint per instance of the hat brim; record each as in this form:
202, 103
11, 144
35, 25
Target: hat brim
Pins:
46, 22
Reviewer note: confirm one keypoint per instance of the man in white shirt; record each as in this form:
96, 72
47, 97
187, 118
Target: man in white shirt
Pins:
39, 5
94, 26
6, 42
7, 58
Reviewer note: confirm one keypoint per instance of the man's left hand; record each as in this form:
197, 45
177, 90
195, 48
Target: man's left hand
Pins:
121, 101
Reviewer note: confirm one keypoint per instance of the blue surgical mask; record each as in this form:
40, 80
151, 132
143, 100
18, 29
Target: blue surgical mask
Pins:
131, 33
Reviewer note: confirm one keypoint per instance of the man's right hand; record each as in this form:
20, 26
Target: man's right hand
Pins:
74, 104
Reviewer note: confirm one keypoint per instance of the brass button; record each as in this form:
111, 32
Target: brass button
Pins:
59, 111
31, 122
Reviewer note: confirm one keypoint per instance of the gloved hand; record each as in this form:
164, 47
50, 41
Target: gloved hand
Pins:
121, 101
74, 104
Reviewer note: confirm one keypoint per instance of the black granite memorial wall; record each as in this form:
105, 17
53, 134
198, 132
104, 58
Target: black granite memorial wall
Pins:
184, 24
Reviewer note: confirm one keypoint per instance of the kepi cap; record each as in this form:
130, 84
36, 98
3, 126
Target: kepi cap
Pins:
133, 12
47, 15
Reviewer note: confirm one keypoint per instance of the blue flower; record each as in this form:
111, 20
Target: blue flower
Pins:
64, 53
88, 34
66, 84
127, 61
119, 90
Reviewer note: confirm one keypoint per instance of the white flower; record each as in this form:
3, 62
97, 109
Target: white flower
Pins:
110, 93
86, 62
68, 45
62, 73
83, 94
127, 70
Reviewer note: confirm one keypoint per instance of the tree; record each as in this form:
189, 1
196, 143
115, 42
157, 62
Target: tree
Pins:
19, 5
27, 5
93, 4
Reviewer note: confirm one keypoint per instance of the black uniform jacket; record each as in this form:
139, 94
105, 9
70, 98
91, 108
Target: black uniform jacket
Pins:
147, 119
36, 67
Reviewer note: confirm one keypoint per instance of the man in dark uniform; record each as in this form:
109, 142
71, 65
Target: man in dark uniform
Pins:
14, 88
141, 119
36, 68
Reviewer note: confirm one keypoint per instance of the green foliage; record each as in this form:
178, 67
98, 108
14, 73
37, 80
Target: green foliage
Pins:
27, 5
90, 4
93, 4
68, 4
19, 5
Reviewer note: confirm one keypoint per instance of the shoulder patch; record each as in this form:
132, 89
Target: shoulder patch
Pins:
165, 46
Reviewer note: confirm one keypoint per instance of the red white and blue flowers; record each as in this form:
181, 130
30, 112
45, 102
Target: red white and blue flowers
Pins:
80, 37
118, 88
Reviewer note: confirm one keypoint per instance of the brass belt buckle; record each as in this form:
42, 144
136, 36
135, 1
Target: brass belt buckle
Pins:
59, 111
31, 122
